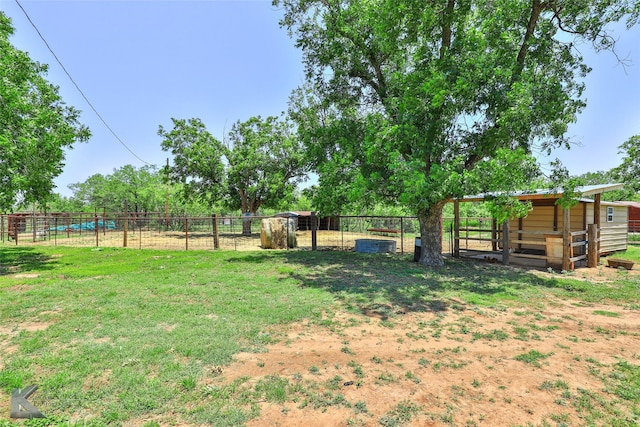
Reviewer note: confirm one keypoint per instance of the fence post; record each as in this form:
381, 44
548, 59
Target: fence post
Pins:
402, 235
97, 229
592, 248
12, 230
186, 234
494, 234
125, 225
216, 237
314, 231
287, 219
505, 242
456, 229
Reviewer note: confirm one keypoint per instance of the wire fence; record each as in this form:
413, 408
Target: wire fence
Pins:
634, 231
158, 231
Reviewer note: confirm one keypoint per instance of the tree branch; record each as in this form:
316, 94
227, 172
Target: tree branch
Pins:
537, 7
446, 27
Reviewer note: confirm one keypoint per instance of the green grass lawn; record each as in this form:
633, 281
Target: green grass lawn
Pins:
111, 335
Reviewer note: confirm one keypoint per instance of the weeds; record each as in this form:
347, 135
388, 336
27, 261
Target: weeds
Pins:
400, 414
606, 313
533, 357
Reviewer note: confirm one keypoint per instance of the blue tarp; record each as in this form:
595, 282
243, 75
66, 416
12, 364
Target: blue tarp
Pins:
86, 226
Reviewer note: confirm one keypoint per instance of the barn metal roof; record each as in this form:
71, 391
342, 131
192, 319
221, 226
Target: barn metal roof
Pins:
632, 204
586, 190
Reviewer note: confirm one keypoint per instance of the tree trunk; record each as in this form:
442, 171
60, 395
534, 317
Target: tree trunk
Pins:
246, 224
431, 236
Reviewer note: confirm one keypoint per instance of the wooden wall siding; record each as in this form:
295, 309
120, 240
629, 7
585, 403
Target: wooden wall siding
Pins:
577, 218
620, 215
613, 238
613, 235
541, 218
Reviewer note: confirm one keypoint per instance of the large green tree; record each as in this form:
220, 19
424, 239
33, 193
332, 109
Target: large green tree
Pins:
35, 127
606, 177
259, 163
405, 100
629, 170
197, 161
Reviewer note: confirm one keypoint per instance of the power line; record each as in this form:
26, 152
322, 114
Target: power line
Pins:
78, 88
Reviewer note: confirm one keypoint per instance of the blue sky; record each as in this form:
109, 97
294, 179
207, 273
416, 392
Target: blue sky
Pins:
142, 62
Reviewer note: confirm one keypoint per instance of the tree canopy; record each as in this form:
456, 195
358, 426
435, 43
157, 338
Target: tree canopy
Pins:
629, 170
141, 188
265, 162
258, 164
408, 101
35, 126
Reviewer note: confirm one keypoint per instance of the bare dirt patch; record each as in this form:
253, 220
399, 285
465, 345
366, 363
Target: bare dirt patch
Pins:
600, 274
35, 326
155, 239
19, 288
6, 347
26, 275
454, 367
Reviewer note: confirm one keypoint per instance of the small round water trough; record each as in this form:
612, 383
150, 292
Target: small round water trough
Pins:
375, 246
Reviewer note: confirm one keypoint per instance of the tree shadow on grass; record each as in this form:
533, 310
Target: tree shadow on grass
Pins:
22, 259
381, 285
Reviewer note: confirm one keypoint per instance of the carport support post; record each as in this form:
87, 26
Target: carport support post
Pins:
566, 239
598, 222
314, 231
456, 229
505, 242
592, 248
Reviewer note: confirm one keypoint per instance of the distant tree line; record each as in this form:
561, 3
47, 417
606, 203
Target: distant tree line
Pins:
145, 190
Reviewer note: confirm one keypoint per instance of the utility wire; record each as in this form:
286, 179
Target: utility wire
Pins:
78, 88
